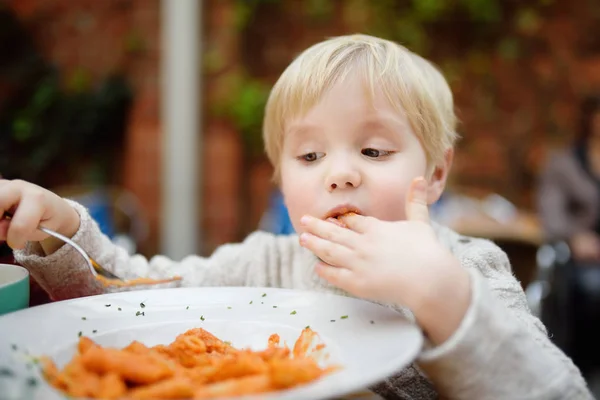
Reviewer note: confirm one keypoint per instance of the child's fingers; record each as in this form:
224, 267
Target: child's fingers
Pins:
10, 196
337, 222
24, 223
4, 223
329, 231
416, 201
339, 277
356, 223
329, 252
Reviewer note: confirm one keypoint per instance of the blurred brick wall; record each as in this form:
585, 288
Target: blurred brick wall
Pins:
91, 39
511, 110
98, 37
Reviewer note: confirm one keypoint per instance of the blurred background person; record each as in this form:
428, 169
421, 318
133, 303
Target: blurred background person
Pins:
569, 207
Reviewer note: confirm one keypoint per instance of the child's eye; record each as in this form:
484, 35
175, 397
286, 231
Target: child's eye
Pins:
374, 153
310, 157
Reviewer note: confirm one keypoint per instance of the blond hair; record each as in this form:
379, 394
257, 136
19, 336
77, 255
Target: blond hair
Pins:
412, 85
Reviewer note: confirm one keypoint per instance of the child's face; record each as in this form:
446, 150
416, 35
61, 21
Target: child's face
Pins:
350, 152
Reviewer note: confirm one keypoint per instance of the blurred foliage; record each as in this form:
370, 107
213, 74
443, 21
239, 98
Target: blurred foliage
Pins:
244, 106
489, 26
49, 121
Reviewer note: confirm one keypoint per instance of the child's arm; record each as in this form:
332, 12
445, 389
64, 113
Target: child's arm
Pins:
64, 274
500, 350
488, 344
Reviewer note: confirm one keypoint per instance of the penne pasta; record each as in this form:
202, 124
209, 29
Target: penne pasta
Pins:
195, 365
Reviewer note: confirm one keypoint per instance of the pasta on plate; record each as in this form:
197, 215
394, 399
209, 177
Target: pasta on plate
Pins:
196, 365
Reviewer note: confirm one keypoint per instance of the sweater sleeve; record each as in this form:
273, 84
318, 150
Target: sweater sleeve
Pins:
500, 350
64, 274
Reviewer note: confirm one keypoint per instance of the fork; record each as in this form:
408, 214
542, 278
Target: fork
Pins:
95, 268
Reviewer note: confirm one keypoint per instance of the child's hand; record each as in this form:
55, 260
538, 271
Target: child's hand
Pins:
31, 206
394, 262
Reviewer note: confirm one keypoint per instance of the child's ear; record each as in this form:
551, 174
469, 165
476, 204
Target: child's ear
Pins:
437, 181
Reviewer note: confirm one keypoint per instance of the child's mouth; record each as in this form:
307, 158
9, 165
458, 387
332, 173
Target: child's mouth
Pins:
334, 215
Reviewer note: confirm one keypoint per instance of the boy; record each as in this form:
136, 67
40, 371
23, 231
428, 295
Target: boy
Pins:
361, 130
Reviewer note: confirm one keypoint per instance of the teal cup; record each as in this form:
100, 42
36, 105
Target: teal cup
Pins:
14, 288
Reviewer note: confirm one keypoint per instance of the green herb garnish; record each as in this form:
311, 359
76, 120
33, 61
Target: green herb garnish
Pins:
79, 334
94, 331
250, 302
83, 318
142, 305
344, 317
202, 317
293, 312
264, 295
107, 305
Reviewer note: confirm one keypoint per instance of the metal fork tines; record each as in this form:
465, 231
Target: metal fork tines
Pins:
93, 264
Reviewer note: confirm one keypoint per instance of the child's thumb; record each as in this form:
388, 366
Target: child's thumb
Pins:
416, 201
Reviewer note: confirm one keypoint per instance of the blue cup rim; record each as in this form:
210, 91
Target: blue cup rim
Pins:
21, 277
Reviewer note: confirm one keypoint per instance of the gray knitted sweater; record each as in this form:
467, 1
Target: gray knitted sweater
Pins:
500, 350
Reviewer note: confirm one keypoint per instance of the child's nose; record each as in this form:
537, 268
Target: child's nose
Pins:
343, 178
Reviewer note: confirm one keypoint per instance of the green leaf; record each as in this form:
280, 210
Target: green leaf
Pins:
319, 10
528, 20
509, 49
429, 10
483, 10
22, 129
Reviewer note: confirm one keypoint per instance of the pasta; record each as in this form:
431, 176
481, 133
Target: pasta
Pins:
196, 365
338, 221
106, 282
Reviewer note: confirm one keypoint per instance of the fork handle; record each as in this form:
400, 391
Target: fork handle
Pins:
66, 240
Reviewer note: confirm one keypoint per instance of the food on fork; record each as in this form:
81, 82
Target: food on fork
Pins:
106, 282
196, 365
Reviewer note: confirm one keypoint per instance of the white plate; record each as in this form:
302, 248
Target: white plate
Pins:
371, 342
